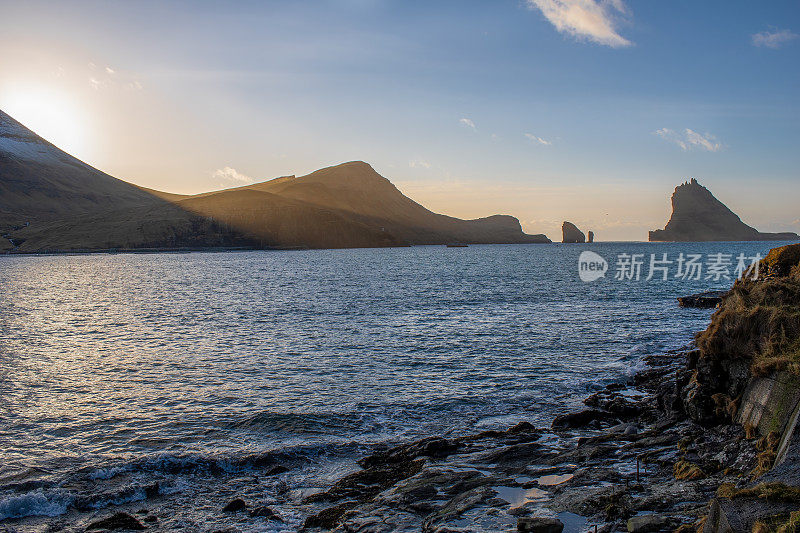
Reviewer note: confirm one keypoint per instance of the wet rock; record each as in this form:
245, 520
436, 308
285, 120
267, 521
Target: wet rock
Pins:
329, 518
367, 483
612, 502
275, 470
378, 518
234, 506
117, 521
434, 447
458, 505
514, 456
648, 523
624, 429
579, 419
702, 300
523, 427
265, 512
150, 519
423, 493
539, 525
151, 490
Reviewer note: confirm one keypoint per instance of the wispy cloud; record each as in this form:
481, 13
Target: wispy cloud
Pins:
107, 77
773, 39
536, 139
419, 163
231, 175
690, 139
467, 123
594, 20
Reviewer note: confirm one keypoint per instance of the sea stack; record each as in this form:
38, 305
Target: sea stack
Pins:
571, 233
698, 216
591, 236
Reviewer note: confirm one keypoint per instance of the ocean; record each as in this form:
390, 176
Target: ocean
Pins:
177, 381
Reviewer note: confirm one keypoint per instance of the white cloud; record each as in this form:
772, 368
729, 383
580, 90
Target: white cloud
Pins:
595, 20
419, 163
773, 39
231, 175
690, 139
537, 139
109, 78
467, 123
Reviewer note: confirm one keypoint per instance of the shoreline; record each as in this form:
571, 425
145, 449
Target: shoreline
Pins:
581, 472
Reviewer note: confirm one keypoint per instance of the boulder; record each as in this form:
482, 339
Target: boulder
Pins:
265, 512
579, 419
539, 525
646, 523
117, 521
234, 506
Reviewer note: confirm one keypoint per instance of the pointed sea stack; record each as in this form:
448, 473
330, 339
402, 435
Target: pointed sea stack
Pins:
698, 216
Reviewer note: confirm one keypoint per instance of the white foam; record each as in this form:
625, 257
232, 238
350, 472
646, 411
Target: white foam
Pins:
108, 473
34, 503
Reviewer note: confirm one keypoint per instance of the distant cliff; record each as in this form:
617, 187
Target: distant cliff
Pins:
698, 216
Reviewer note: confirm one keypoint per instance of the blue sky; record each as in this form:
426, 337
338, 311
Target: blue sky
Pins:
549, 110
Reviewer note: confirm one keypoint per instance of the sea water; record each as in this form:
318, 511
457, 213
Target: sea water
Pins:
179, 381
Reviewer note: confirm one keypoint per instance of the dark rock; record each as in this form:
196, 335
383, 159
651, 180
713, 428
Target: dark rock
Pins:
579, 419
539, 525
117, 521
702, 300
591, 236
523, 427
648, 523
234, 506
275, 470
367, 483
455, 507
150, 519
265, 512
329, 518
435, 447
516, 455
151, 490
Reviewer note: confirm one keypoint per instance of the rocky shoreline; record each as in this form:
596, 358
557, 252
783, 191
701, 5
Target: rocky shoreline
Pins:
631, 461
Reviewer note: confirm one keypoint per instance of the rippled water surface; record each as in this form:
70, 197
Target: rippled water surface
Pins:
118, 371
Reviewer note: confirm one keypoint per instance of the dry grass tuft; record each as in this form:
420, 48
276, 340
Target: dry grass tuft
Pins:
760, 320
773, 491
684, 470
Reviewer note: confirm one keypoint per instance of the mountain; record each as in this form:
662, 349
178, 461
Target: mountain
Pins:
698, 216
39, 182
50, 200
355, 188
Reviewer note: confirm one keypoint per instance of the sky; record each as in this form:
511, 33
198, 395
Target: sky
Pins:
584, 110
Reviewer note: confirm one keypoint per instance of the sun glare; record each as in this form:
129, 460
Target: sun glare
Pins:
50, 115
